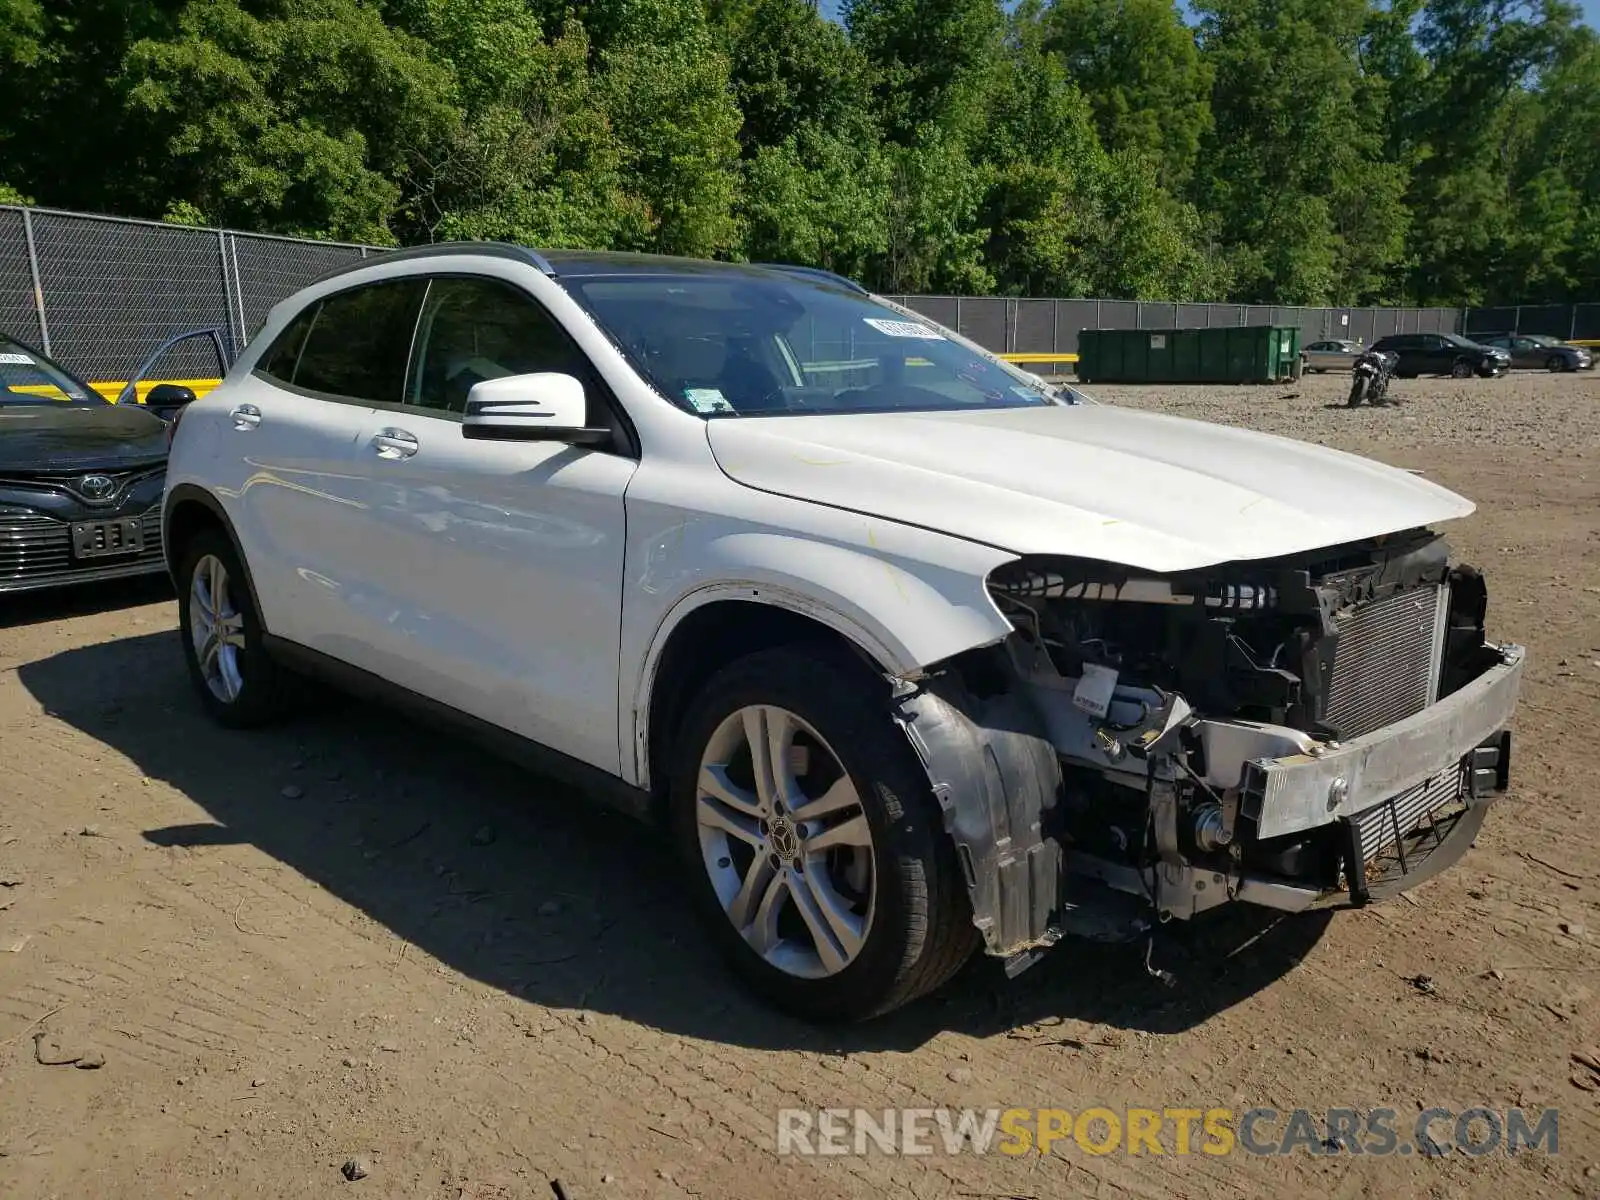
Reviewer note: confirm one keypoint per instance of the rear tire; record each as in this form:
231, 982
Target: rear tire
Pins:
238, 682
898, 924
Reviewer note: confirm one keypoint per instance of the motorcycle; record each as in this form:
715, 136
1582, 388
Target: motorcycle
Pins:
1370, 378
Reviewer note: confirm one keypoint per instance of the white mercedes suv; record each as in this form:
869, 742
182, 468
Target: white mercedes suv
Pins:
908, 651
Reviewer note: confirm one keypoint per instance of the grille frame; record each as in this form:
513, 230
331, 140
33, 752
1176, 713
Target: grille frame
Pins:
64, 483
36, 551
1386, 662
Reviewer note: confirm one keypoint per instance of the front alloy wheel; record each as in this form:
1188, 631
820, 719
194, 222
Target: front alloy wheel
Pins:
815, 852
785, 842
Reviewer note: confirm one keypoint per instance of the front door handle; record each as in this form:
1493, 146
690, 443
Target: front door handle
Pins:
395, 443
246, 416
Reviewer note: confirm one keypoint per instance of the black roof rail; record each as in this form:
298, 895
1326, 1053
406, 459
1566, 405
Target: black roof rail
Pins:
815, 273
511, 250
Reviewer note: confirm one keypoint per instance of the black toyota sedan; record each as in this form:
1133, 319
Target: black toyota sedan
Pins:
80, 478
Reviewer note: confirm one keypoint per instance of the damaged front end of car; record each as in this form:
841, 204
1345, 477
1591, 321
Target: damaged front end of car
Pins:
1323, 729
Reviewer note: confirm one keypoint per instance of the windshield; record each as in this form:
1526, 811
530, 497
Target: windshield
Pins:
736, 345
1542, 339
29, 378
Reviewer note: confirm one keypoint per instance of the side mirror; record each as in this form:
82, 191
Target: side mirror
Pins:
166, 400
545, 407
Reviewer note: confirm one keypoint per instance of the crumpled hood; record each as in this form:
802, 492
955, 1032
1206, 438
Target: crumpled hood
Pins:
1140, 489
64, 437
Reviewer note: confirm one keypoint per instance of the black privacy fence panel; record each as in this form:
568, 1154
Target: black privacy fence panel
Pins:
1577, 321
115, 290
1044, 327
269, 269
102, 293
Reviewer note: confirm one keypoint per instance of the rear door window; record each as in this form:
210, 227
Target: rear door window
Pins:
478, 329
358, 342
283, 356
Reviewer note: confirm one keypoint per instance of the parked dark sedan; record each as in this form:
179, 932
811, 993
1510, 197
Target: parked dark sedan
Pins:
1540, 351
1442, 354
80, 478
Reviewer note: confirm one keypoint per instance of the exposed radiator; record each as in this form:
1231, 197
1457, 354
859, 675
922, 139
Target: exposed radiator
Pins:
1386, 665
1381, 827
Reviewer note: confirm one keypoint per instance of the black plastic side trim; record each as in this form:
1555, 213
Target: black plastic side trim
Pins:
603, 786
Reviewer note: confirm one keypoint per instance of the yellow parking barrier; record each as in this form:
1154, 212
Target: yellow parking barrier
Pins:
112, 388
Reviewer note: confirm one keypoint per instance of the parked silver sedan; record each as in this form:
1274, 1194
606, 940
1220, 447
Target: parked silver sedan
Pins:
1330, 356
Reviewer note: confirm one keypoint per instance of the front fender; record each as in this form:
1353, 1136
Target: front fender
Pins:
905, 597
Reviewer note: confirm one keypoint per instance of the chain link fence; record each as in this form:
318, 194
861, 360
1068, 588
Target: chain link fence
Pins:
100, 293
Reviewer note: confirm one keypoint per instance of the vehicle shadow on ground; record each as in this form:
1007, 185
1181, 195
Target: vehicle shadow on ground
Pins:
526, 885
84, 600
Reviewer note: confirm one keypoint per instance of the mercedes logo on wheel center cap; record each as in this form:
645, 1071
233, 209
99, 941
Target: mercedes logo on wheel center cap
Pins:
784, 838
97, 487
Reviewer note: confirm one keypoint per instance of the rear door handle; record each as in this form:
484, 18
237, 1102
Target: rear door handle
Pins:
246, 416
395, 443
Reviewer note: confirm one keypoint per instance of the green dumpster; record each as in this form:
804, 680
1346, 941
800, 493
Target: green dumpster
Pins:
1221, 354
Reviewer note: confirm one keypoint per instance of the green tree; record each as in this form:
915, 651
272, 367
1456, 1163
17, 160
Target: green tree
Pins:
533, 160
931, 60
793, 70
666, 91
64, 132
934, 241
1296, 134
299, 119
1470, 210
1139, 66
815, 181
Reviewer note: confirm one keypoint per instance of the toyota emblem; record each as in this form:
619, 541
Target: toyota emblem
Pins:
97, 487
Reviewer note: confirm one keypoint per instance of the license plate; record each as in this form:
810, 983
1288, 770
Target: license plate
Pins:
102, 539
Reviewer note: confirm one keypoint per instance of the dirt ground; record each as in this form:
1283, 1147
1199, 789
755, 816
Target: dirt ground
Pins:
349, 938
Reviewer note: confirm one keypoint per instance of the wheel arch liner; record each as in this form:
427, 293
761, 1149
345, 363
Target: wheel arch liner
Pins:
995, 777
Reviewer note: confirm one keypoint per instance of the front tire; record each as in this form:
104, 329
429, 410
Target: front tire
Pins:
1461, 369
814, 851
1555, 363
238, 683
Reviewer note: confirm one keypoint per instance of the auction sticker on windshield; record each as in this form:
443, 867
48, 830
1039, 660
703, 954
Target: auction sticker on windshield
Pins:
707, 400
15, 360
905, 329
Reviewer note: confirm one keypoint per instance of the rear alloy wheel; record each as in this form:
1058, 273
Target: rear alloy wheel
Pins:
814, 851
1555, 363
216, 629
236, 680
1461, 369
